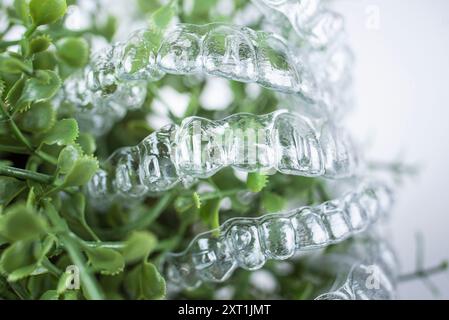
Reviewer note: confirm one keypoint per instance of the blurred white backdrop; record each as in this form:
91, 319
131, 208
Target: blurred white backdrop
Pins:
402, 92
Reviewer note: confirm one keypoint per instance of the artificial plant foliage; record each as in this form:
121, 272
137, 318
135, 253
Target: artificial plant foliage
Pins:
48, 225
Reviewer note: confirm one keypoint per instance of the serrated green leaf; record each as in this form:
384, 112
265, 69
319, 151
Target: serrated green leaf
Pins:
139, 245
21, 223
47, 11
64, 132
73, 51
67, 158
9, 189
272, 202
16, 91
145, 282
87, 142
81, 172
256, 181
142, 51
106, 261
41, 117
45, 60
12, 65
40, 88
39, 44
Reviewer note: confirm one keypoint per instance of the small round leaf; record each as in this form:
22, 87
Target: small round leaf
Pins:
73, 51
21, 223
47, 11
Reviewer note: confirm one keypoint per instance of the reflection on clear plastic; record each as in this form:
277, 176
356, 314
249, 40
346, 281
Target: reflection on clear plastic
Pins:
367, 270
199, 147
249, 242
115, 81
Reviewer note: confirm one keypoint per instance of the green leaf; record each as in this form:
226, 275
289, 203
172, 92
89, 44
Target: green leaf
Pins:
64, 132
47, 11
40, 43
106, 261
73, 51
16, 91
272, 202
45, 60
17, 256
182, 204
22, 10
197, 200
62, 283
9, 189
142, 51
50, 295
81, 172
9, 64
139, 245
21, 223
161, 18
67, 158
21, 273
145, 282
210, 213
108, 29
2, 87
40, 88
256, 181
87, 142
41, 117
44, 248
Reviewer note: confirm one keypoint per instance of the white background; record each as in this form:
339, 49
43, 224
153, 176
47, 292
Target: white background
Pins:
402, 112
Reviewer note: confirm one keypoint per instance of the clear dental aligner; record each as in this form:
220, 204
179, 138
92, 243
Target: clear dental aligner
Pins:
249, 242
115, 80
372, 273
315, 25
279, 141
325, 49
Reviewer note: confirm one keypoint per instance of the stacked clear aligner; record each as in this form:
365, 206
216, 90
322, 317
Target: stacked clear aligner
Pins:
311, 75
280, 141
249, 242
371, 271
115, 81
321, 42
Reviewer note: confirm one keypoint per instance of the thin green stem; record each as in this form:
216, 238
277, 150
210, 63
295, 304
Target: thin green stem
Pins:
143, 221
6, 44
21, 292
54, 270
24, 174
90, 283
30, 31
418, 274
14, 149
73, 248
105, 244
19, 135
